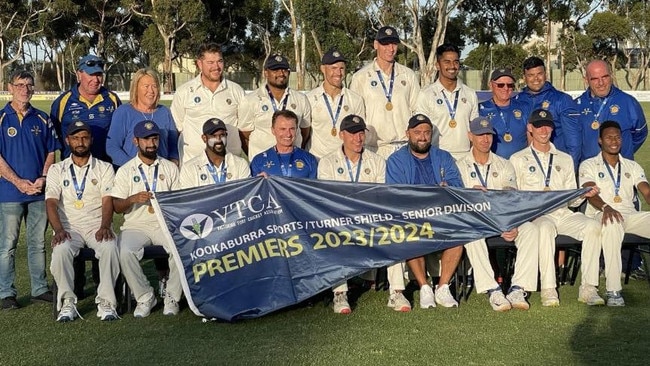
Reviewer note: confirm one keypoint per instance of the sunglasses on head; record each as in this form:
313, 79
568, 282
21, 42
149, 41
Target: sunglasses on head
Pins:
93, 63
503, 85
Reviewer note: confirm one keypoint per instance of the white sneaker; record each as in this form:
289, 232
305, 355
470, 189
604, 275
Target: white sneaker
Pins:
106, 311
398, 302
550, 297
427, 299
341, 305
171, 306
498, 300
588, 294
444, 298
517, 298
68, 311
144, 308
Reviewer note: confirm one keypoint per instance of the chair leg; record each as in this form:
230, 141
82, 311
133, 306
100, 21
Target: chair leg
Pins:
79, 277
55, 294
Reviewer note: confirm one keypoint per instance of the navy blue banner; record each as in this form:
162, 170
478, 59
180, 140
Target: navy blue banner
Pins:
253, 246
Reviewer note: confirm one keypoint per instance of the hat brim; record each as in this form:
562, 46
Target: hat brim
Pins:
91, 70
542, 123
483, 131
388, 40
278, 67
75, 130
355, 129
211, 131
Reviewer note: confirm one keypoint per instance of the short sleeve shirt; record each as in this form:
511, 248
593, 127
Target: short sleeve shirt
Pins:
371, 168
195, 173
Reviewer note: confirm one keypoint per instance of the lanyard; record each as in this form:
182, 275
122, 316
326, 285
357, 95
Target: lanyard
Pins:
600, 109
356, 178
329, 109
388, 92
505, 122
480, 177
146, 182
547, 178
286, 170
80, 190
220, 176
284, 102
617, 181
452, 111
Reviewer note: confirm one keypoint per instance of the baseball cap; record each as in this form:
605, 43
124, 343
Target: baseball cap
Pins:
353, 123
419, 119
213, 125
387, 35
91, 64
276, 62
76, 127
497, 73
541, 117
481, 126
145, 129
331, 57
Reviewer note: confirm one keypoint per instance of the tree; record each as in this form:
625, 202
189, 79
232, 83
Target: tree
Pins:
488, 58
608, 31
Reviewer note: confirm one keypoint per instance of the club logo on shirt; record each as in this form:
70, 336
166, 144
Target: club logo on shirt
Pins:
203, 177
601, 175
136, 178
346, 108
586, 111
339, 170
558, 168
229, 176
197, 100
293, 105
627, 175
12, 131
614, 109
265, 108
490, 116
94, 181
517, 113
300, 164
102, 109
268, 164
403, 82
531, 169
66, 182
367, 171
472, 174
545, 104
36, 130
464, 100
161, 176
439, 101
373, 83
228, 101
495, 174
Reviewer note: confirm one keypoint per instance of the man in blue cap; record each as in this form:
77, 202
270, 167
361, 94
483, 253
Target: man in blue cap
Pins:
87, 101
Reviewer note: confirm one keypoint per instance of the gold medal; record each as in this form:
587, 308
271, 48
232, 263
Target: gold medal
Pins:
452, 123
389, 106
507, 137
150, 209
333, 132
595, 125
78, 204
618, 199
547, 188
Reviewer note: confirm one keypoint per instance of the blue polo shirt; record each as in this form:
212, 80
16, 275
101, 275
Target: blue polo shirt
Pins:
24, 145
299, 163
70, 107
512, 119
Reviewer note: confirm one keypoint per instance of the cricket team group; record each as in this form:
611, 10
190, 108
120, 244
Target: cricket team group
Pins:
384, 128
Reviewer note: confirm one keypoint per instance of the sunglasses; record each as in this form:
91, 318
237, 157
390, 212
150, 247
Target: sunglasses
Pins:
503, 85
93, 63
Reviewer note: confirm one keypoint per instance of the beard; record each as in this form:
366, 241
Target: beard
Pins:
80, 153
218, 146
150, 154
420, 150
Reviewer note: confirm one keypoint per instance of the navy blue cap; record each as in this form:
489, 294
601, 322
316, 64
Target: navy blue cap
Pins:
277, 62
387, 35
213, 125
145, 129
76, 127
353, 123
481, 126
331, 57
541, 117
91, 64
419, 119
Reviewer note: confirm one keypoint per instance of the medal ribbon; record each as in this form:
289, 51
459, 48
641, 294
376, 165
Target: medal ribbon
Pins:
80, 190
286, 171
507, 123
284, 102
146, 182
600, 109
356, 178
547, 178
480, 177
617, 181
329, 109
452, 111
388, 92
220, 176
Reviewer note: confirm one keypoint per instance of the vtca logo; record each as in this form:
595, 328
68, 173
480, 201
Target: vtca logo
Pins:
196, 226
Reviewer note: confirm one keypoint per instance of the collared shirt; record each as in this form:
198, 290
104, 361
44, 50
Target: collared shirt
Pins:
193, 104
255, 113
129, 181
71, 107
298, 163
431, 102
25, 142
195, 173
384, 126
497, 173
512, 119
334, 166
401, 167
632, 174
323, 141
60, 186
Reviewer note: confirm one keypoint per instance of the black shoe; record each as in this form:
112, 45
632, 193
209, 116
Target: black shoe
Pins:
44, 297
10, 303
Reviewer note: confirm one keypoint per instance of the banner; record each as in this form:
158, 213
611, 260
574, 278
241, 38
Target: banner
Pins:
249, 247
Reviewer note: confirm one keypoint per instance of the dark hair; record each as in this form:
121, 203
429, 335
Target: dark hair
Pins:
446, 47
209, 47
21, 74
533, 62
608, 124
284, 113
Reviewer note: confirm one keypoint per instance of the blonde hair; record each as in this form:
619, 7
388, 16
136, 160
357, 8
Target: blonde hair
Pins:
133, 90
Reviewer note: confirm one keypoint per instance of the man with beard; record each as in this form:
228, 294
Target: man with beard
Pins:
135, 185
421, 163
389, 91
284, 158
216, 165
88, 101
540, 94
209, 95
80, 210
256, 108
617, 177
352, 163
330, 102
27, 144
449, 103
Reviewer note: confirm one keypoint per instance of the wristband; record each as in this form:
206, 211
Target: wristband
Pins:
602, 208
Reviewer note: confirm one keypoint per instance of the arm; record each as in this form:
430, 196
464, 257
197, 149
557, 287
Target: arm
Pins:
644, 190
640, 131
609, 214
60, 235
24, 186
572, 132
244, 136
121, 205
305, 132
117, 137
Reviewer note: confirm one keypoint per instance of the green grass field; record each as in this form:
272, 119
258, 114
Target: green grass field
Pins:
373, 334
